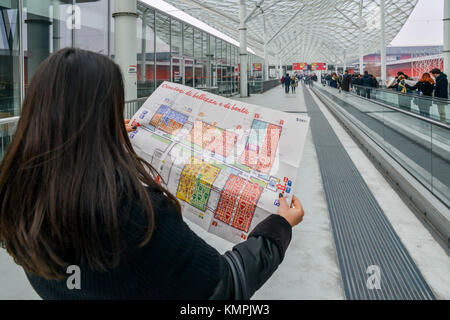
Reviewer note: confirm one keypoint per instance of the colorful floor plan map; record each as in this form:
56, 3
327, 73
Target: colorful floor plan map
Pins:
226, 161
261, 146
195, 183
241, 211
168, 120
212, 138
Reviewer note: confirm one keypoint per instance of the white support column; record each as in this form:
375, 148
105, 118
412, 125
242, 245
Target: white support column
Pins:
125, 17
144, 47
278, 66
383, 41
56, 26
243, 48
38, 35
266, 53
345, 60
447, 37
209, 58
361, 43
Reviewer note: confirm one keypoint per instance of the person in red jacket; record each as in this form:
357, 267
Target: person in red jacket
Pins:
426, 87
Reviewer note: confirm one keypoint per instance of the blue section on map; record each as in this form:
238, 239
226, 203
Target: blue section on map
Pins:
162, 109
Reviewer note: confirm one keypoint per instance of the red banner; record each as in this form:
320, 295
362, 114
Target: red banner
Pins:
257, 66
318, 66
299, 66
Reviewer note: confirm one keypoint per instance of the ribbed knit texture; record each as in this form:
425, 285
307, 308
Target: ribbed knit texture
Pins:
175, 264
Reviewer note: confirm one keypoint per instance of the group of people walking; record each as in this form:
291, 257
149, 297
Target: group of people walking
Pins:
347, 81
291, 82
431, 84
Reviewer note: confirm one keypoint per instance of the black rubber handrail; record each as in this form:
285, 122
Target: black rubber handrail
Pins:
411, 114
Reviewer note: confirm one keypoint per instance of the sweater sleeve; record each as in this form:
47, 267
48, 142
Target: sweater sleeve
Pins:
259, 257
178, 264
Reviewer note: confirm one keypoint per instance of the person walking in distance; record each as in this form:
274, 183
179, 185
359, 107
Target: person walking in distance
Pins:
346, 81
287, 83
425, 86
441, 91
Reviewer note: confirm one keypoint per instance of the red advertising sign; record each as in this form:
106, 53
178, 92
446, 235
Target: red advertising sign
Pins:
257, 66
319, 66
299, 66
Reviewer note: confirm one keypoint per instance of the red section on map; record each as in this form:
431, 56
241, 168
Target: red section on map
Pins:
228, 198
246, 206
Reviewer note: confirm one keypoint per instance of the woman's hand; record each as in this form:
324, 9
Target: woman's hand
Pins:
128, 127
293, 214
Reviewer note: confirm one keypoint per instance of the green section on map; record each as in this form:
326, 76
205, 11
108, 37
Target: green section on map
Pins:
164, 140
200, 195
260, 182
242, 167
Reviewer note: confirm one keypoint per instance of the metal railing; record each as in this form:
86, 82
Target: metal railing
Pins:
7, 129
8, 125
420, 144
261, 86
132, 106
429, 107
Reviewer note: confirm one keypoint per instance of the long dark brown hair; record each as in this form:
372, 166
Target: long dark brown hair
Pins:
67, 167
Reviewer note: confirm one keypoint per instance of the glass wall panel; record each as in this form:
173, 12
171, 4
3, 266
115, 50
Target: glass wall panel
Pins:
162, 26
146, 52
188, 40
219, 63
176, 37
188, 49
207, 60
92, 33
176, 48
213, 64
10, 72
198, 58
229, 70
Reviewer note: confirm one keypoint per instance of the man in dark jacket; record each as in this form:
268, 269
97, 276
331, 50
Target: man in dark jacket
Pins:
357, 81
346, 81
367, 82
440, 91
287, 83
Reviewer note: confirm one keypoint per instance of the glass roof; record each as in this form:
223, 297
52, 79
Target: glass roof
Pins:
305, 30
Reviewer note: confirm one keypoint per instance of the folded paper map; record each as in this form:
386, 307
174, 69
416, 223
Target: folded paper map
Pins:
226, 161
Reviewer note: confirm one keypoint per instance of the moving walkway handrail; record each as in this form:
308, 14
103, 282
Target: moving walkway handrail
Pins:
411, 114
412, 95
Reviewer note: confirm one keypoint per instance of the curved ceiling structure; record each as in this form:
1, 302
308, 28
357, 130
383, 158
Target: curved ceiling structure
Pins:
305, 30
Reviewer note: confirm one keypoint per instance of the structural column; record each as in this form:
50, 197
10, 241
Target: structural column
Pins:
56, 26
345, 60
38, 34
125, 20
447, 37
361, 44
266, 53
279, 66
243, 48
209, 59
383, 41
144, 47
